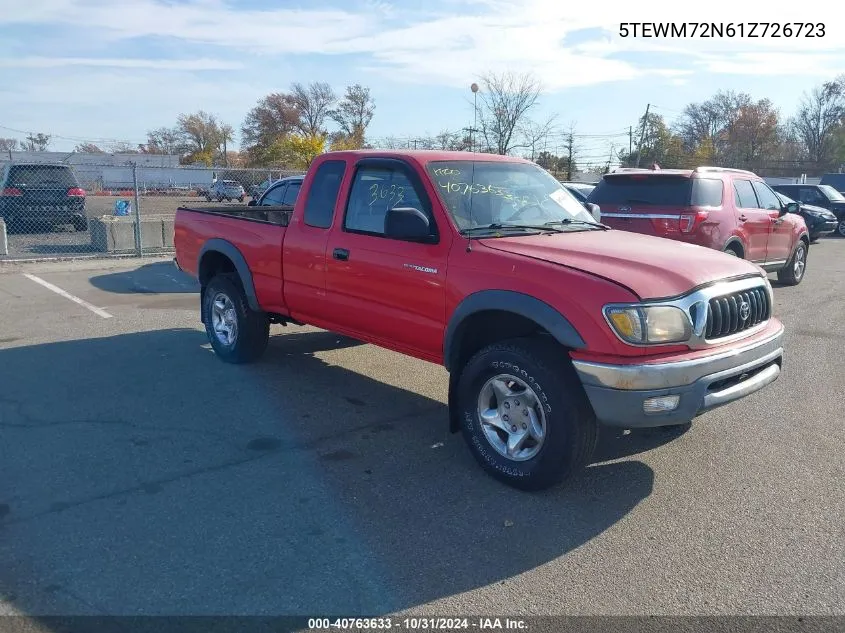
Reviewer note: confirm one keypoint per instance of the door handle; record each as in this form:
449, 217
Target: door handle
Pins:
340, 253
742, 218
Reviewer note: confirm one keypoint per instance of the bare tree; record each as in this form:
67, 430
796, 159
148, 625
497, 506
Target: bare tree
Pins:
201, 130
819, 118
8, 144
313, 104
505, 100
354, 113
88, 148
36, 142
535, 135
164, 140
122, 147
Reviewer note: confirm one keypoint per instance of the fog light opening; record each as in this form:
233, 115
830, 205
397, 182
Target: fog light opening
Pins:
661, 404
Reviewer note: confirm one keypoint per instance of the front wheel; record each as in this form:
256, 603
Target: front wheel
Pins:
841, 228
793, 272
237, 333
524, 414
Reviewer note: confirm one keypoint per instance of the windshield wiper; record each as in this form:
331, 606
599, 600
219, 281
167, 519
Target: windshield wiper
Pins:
501, 227
568, 221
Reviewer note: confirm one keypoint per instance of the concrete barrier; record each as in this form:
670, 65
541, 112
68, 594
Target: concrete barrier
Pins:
4, 241
116, 234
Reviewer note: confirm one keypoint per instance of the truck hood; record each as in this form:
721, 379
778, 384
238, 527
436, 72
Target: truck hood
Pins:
651, 267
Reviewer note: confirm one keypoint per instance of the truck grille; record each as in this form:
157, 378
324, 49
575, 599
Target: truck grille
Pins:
737, 312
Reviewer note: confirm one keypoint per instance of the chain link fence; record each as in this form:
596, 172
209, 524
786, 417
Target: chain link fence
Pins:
60, 210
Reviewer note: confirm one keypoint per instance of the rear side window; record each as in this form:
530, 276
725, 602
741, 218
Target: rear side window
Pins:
42, 176
707, 192
273, 197
744, 194
322, 197
768, 199
637, 190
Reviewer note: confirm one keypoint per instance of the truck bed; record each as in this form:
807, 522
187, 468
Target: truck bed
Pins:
256, 232
278, 215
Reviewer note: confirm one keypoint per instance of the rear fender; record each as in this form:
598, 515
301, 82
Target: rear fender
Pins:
229, 250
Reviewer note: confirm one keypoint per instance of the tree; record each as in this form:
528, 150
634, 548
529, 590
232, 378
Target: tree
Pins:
711, 122
272, 118
36, 142
505, 100
201, 131
313, 105
820, 119
753, 136
535, 135
301, 150
353, 115
88, 148
122, 147
660, 145
227, 135
164, 140
8, 144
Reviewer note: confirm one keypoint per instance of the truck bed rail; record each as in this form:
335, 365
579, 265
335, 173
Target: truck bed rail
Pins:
276, 215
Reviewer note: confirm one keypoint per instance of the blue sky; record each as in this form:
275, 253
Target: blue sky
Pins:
97, 69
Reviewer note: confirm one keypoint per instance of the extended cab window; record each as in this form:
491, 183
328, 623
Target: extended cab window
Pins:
291, 192
322, 197
768, 199
376, 190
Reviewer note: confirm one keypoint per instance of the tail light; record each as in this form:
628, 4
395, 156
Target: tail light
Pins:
691, 221
12, 191
76, 192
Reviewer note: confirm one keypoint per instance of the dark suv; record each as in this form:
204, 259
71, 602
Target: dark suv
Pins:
730, 210
40, 193
823, 196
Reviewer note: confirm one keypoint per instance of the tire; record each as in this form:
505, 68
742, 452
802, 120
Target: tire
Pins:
80, 225
570, 424
840, 229
792, 273
252, 329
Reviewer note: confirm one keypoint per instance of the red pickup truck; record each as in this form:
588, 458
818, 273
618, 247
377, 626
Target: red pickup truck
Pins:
548, 322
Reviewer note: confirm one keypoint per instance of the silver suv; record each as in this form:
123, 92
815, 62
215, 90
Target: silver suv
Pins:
226, 190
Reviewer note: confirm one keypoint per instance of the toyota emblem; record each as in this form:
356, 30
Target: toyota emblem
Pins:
744, 310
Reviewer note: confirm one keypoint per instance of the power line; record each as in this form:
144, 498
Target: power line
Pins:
71, 138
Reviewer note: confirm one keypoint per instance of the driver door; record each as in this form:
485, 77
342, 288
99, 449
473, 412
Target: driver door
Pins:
389, 291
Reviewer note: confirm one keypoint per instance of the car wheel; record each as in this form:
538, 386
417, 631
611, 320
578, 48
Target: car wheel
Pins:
841, 228
237, 333
793, 272
524, 414
80, 224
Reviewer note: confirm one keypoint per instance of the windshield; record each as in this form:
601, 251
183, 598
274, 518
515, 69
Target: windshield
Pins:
832, 193
42, 176
484, 193
783, 198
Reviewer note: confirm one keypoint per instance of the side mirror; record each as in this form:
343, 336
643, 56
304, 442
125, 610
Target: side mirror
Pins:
252, 203
792, 207
406, 223
595, 210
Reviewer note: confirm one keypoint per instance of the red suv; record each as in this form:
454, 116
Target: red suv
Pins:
731, 210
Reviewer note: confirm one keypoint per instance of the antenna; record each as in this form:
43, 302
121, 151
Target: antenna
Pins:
471, 198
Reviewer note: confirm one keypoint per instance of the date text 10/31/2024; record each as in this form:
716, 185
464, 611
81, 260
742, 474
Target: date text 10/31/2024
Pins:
421, 623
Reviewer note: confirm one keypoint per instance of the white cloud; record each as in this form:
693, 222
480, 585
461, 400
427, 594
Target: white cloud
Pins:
159, 64
446, 47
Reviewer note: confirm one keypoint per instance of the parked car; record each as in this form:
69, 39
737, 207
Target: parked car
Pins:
823, 196
281, 193
548, 322
256, 190
730, 210
41, 193
579, 189
226, 190
837, 181
819, 221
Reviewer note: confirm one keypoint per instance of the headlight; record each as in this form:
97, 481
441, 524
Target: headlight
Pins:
643, 325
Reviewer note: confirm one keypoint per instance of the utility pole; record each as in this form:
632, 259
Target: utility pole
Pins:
630, 141
569, 149
609, 159
642, 135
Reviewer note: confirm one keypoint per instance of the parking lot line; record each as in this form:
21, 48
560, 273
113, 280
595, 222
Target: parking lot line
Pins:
67, 295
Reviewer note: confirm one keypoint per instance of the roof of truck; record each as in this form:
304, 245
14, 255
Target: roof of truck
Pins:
427, 155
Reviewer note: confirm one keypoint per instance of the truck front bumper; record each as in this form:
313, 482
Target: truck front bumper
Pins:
666, 393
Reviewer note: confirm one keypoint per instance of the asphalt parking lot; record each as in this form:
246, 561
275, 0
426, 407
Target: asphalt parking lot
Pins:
141, 475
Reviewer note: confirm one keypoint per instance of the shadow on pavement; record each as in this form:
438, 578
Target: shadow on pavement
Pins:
149, 478
156, 278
